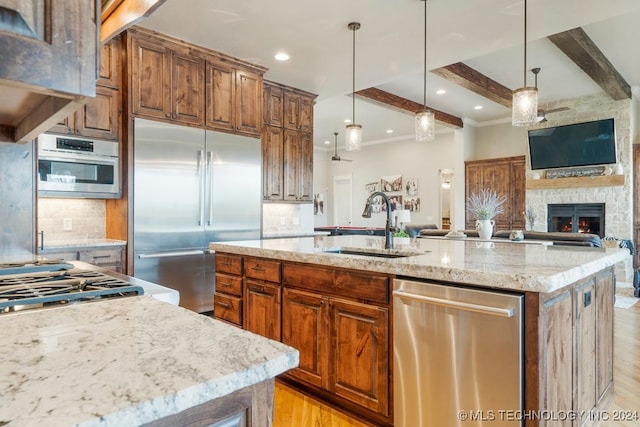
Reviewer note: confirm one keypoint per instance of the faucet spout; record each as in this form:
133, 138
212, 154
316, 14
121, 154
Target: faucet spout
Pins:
388, 228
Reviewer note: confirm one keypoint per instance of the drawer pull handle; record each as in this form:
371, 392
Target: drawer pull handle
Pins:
258, 290
223, 304
101, 256
224, 284
258, 268
226, 264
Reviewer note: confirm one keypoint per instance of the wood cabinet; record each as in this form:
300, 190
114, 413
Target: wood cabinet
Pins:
505, 176
287, 144
262, 297
167, 80
229, 288
298, 166
233, 98
100, 116
49, 54
636, 204
338, 320
179, 82
569, 348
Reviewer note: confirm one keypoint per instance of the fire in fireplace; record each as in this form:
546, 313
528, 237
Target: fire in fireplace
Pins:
576, 218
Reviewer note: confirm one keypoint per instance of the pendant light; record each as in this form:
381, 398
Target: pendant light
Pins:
353, 136
524, 110
425, 119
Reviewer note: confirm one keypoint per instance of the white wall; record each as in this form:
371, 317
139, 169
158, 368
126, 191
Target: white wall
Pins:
500, 140
406, 157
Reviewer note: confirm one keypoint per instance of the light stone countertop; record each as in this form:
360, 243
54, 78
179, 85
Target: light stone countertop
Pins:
499, 264
124, 364
57, 246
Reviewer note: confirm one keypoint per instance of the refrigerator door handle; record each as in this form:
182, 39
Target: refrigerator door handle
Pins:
495, 311
201, 178
169, 254
209, 190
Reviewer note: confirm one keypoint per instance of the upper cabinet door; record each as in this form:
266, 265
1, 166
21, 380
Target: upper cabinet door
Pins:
109, 73
187, 87
220, 97
273, 105
150, 78
248, 102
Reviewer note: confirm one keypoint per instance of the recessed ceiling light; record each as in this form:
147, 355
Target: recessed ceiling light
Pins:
281, 56
389, 130
347, 120
441, 91
478, 107
327, 142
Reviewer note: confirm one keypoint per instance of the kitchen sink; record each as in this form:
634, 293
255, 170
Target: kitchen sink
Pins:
380, 253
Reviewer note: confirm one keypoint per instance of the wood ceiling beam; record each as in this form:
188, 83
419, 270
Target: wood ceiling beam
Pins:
579, 47
389, 100
465, 76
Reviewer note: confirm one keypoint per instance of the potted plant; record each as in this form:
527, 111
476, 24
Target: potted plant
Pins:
401, 237
484, 206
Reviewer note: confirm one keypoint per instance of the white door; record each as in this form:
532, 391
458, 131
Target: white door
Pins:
342, 200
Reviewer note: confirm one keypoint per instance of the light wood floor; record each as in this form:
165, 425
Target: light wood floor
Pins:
295, 409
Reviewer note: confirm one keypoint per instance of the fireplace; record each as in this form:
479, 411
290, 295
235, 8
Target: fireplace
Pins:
576, 218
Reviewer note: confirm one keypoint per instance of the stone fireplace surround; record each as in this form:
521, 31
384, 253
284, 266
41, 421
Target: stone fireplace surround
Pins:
617, 198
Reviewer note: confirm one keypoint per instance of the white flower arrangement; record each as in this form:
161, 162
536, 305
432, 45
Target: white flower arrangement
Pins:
485, 205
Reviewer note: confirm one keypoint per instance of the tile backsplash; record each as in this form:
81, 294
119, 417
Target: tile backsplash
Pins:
71, 220
286, 219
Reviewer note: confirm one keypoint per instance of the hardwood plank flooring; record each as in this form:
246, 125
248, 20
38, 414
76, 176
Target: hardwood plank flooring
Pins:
295, 409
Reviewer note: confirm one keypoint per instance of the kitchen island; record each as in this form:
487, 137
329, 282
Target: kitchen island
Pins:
130, 362
330, 297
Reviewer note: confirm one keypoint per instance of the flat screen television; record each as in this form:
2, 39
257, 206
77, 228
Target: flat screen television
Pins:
580, 144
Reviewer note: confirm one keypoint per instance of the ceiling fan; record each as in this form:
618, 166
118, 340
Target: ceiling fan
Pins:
542, 114
335, 156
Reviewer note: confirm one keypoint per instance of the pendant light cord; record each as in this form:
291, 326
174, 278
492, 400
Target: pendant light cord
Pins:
525, 44
424, 86
353, 82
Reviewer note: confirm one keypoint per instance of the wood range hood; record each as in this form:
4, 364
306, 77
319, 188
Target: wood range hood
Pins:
52, 54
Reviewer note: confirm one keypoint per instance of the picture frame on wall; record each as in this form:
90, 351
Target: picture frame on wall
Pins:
411, 187
391, 183
412, 204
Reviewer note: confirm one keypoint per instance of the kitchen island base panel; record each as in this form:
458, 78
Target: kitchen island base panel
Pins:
249, 407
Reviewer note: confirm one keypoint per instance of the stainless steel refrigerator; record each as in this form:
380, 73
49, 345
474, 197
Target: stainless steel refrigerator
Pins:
191, 187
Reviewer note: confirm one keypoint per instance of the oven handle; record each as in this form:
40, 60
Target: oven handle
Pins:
170, 254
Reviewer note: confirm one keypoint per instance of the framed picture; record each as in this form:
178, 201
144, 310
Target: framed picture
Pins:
412, 204
391, 183
396, 202
371, 187
411, 187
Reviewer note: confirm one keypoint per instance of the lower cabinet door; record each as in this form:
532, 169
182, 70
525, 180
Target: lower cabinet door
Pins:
360, 360
304, 320
262, 308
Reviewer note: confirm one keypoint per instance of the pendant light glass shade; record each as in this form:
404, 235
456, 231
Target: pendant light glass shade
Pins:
425, 120
524, 108
425, 126
353, 135
353, 138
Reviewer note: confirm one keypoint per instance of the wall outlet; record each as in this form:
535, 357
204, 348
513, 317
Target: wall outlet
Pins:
67, 224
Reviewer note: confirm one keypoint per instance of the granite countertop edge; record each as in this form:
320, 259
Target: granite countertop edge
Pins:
541, 278
80, 244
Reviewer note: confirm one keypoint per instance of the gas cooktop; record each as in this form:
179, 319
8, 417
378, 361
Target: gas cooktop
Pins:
37, 288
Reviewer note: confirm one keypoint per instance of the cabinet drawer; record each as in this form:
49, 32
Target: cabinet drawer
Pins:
227, 263
263, 269
349, 284
231, 285
362, 286
101, 257
227, 308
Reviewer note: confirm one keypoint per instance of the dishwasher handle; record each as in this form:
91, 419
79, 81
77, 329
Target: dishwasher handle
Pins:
494, 311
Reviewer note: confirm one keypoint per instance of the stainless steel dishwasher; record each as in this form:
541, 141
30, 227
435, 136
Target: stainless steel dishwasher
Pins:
458, 356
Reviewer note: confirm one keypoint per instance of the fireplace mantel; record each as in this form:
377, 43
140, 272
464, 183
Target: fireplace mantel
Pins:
576, 182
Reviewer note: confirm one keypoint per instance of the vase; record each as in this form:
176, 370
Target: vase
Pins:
485, 228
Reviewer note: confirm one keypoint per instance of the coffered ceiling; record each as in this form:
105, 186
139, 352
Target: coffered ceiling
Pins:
483, 38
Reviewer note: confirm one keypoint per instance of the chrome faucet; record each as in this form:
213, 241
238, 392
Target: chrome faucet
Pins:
388, 228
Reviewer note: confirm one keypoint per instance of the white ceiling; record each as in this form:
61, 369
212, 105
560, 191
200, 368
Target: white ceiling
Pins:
487, 35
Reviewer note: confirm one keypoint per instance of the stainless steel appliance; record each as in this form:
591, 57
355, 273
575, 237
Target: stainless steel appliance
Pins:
457, 356
77, 167
37, 284
191, 187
